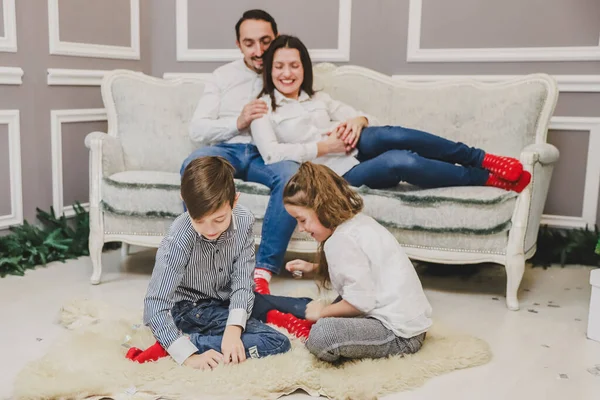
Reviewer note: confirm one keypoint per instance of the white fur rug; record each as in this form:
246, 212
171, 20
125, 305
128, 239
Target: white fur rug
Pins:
89, 363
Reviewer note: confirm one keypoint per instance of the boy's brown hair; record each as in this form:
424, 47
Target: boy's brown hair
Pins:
319, 188
206, 185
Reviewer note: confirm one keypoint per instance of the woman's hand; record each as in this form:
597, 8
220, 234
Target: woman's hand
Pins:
349, 131
300, 267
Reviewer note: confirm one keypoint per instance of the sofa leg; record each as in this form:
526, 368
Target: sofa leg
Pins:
515, 267
96, 243
124, 250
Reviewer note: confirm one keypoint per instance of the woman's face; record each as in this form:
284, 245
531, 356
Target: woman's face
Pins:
287, 72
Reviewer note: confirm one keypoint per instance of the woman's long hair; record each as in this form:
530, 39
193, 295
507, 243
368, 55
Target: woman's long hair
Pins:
287, 42
318, 188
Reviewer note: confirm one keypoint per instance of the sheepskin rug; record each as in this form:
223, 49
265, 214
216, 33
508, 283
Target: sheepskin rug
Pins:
89, 363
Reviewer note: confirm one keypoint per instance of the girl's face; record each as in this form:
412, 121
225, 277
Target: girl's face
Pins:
287, 72
309, 222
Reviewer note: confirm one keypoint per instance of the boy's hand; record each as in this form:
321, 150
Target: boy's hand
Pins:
313, 310
232, 346
206, 361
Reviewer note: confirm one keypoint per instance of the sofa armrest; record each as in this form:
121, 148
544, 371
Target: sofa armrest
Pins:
107, 151
543, 153
539, 159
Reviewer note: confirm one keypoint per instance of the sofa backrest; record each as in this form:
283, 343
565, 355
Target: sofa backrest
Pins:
151, 118
498, 117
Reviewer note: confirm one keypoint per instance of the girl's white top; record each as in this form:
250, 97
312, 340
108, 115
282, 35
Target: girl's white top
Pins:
371, 271
294, 129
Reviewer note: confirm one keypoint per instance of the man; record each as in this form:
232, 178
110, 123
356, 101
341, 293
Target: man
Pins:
222, 119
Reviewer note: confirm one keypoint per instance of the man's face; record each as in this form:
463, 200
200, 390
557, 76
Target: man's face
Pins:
255, 38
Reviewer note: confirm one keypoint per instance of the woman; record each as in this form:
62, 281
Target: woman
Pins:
304, 125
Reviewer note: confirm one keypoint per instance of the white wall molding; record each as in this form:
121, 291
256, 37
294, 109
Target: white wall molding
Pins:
57, 118
8, 40
75, 77
76, 49
566, 83
193, 76
12, 119
184, 53
414, 52
11, 76
592, 172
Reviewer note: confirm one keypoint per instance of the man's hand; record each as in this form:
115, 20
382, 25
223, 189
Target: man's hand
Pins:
206, 361
350, 130
251, 111
313, 310
300, 267
332, 144
232, 346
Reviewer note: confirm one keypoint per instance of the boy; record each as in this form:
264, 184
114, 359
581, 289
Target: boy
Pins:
202, 283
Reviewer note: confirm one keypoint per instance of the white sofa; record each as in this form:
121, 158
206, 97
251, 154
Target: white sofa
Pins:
134, 167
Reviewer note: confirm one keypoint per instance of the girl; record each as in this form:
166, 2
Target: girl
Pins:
303, 125
382, 309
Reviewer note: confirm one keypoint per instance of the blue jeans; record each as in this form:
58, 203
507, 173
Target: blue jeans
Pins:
389, 155
205, 322
278, 225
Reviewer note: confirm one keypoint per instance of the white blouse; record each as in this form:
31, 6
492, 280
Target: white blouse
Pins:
294, 129
371, 271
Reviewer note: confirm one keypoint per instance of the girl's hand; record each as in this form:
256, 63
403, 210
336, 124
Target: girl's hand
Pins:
350, 130
300, 267
313, 310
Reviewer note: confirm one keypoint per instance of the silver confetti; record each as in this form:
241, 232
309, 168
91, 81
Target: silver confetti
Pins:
297, 274
594, 371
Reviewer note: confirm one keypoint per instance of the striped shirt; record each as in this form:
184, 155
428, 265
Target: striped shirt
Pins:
191, 267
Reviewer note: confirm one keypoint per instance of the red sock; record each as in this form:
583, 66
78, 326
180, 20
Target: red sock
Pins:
261, 280
295, 326
517, 186
152, 353
507, 168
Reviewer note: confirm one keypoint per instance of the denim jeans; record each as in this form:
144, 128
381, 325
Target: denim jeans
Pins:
278, 225
389, 155
205, 322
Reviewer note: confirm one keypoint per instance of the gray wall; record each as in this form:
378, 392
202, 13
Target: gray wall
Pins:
378, 40
84, 21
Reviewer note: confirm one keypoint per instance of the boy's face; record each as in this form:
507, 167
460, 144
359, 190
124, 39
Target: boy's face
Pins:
212, 225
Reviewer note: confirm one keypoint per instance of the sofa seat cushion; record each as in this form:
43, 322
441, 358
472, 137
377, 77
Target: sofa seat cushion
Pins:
464, 210
155, 194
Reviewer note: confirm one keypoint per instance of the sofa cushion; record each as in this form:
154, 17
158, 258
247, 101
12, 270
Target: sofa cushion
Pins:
501, 118
465, 210
152, 119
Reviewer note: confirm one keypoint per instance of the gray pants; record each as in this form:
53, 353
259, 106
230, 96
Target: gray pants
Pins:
332, 339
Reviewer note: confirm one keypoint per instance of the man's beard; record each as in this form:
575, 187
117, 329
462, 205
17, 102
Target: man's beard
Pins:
257, 69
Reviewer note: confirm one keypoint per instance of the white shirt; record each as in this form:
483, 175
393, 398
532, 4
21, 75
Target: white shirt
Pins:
371, 271
294, 129
229, 89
